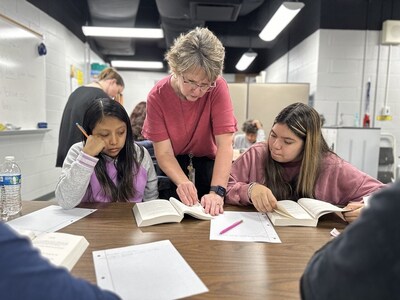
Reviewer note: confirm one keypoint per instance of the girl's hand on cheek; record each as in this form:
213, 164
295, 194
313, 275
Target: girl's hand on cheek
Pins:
94, 145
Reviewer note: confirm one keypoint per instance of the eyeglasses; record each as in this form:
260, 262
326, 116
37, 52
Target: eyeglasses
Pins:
203, 87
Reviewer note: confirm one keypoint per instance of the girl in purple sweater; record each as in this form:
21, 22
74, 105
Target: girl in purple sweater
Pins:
107, 166
296, 162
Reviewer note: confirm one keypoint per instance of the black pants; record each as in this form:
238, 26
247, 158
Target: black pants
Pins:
203, 167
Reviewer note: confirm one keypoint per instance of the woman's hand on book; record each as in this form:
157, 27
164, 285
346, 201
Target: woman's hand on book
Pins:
213, 204
187, 192
262, 198
355, 209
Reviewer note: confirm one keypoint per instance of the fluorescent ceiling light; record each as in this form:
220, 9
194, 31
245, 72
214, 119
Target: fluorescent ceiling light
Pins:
137, 64
245, 61
282, 17
123, 32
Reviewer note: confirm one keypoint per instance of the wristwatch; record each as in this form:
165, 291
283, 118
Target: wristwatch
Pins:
219, 190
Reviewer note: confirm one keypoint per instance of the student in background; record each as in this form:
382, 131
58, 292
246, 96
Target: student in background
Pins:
25, 274
107, 166
191, 123
296, 162
137, 119
108, 84
363, 262
253, 132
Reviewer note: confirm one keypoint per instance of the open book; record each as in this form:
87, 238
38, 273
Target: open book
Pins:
164, 211
304, 212
61, 249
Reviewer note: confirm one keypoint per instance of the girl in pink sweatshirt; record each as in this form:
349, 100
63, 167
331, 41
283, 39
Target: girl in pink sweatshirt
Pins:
296, 162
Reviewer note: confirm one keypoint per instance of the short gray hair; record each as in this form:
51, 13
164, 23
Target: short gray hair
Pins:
199, 48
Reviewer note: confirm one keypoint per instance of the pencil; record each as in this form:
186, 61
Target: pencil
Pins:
81, 129
231, 226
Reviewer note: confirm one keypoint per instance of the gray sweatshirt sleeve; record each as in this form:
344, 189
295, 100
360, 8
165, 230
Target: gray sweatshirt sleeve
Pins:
151, 190
75, 177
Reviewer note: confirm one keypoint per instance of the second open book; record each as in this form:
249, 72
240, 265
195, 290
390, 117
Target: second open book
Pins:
163, 211
304, 212
61, 249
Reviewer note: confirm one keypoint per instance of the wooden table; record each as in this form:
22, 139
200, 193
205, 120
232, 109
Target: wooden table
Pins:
234, 270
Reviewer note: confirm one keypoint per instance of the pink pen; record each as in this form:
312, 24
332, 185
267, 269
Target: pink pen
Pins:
231, 226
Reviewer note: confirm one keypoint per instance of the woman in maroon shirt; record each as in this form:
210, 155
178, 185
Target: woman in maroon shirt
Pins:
191, 123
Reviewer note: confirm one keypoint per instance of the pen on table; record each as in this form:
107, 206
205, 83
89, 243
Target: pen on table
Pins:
81, 129
231, 226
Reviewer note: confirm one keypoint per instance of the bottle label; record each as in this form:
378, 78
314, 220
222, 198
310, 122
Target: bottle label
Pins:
10, 179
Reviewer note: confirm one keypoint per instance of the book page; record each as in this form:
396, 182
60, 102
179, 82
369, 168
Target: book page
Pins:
317, 208
156, 208
147, 271
155, 212
289, 208
196, 210
279, 219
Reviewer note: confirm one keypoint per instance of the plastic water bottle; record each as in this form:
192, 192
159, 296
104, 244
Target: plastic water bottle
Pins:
10, 188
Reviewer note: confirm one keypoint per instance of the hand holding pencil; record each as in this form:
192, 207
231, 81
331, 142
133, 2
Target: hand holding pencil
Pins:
82, 130
93, 145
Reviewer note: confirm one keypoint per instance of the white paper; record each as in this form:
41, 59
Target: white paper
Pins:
49, 219
256, 227
148, 271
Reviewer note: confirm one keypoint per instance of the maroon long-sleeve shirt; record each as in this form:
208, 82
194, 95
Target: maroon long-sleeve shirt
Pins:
338, 183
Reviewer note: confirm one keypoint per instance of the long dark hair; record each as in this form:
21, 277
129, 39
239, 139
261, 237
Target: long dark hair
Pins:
137, 119
128, 160
305, 122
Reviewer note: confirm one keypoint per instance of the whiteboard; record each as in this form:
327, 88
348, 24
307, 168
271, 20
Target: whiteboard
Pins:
22, 76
